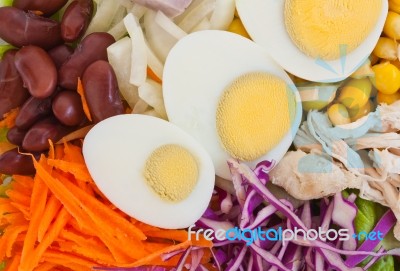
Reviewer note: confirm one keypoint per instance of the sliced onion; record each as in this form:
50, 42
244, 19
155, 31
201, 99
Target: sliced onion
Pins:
119, 56
195, 16
139, 51
223, 14
158, 39
154, 63
169, 26
151, 93
102, 20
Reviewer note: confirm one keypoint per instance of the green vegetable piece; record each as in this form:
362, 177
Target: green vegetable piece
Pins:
3, 134
385, 263
367, 216
6, 3
4, 48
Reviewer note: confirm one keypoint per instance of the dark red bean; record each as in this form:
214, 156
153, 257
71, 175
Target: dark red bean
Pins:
12, 162
12, 92
48, 7
76, 19
101, 91
32, 110
37, 138
92, 48
16, 135
67, 107
21, 28
60, 54
37, 70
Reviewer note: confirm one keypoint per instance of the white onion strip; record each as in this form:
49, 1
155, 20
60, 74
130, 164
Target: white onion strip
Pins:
139, 51
195, 16
169, 26
223, 14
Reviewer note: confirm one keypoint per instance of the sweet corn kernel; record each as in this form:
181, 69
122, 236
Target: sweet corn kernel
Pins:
386, 48
237, 27
338, 114
373, 58
387, 98
387, 77
392, 25
355, 93
363, 71
394, 5
357, 113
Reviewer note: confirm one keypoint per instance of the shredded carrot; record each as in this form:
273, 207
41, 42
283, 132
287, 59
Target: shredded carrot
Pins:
13, 264
85, 106
153, 76
52, 207
50, 236
9, 118
37, 206
59, 220
46, 266
78, 170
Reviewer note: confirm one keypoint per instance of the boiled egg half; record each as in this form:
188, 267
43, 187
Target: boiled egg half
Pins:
322, 41
226, 92
150, 169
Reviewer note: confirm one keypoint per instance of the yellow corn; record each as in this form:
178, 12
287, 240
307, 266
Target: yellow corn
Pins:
363, 71
387, 77
355, 93
338, 114
373, 58
357, 113
386, 48
237, 27
394, 5
387, 98
392, 25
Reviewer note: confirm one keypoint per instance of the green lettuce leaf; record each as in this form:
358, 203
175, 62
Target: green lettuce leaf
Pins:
367, 216
385, 263
3, 134
6, 3
4, 48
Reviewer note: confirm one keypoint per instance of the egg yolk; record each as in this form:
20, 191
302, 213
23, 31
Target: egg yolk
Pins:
332, 28
254, 113
172, 172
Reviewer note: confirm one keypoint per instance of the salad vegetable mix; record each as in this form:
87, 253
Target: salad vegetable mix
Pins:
318, 192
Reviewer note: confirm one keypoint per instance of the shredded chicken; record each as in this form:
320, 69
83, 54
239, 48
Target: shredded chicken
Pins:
364, 154
315, 175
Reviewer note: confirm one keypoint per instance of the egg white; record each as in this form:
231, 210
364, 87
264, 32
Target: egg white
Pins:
196, 72
264, 21
115, 151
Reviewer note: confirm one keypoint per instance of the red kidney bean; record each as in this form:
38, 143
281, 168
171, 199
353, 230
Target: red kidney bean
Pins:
12, 92
37, 70
47, 7
60, 54
16, 135
20, 28
101, 91
92, 48
76, 19
67, 107
12, 162
37, 137
32, 110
